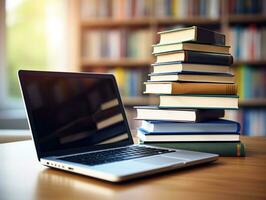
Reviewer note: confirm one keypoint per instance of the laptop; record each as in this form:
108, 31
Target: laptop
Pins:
78, 124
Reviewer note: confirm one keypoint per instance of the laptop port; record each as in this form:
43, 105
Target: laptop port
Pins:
70, 168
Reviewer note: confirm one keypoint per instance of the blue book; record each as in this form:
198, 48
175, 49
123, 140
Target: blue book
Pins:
213, 126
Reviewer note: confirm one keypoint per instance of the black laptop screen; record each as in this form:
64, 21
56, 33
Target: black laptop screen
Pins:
70, 111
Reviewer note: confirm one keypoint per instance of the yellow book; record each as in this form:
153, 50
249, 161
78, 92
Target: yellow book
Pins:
239, 80
173, 8
120, 78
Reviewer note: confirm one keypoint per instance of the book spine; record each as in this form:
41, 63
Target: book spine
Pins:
248, 42
253, 122
208, 58
209, 37
189, 88
230, 149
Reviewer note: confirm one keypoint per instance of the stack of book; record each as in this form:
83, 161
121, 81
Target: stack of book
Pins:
192, 75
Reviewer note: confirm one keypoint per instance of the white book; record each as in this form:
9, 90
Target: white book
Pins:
188, 138
199, 101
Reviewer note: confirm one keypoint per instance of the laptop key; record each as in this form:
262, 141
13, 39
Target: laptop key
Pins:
115, 155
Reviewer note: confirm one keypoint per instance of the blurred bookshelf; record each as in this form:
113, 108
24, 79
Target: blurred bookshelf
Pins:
125, 62
247, 18
253, 102
115, 36
250, 62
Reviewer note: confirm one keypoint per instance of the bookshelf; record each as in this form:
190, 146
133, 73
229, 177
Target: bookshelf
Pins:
155, 100
126, 62
147, 22
250, 62
253, 103
228, 17
137, 101
250, 18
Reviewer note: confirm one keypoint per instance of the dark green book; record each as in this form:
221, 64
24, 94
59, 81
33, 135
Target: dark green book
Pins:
198, 57
236, 149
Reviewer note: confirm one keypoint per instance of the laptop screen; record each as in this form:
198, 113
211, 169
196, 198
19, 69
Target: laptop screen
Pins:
69, 111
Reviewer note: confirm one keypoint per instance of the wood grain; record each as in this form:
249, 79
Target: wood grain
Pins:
22, 177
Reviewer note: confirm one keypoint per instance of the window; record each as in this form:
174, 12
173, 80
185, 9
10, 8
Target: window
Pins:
33, 35
26, 40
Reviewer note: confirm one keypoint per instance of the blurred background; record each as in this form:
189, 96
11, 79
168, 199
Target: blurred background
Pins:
115, 36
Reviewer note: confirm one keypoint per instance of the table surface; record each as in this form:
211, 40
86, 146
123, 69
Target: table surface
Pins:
22, 177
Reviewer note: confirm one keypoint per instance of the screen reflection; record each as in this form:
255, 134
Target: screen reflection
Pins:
70, 112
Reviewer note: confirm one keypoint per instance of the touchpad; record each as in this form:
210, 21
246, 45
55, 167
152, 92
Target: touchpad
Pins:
160, 160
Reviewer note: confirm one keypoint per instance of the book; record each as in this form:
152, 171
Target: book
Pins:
131, 9
246, 7
195, 57
236, 149
193, 77
249, 43
163, 48
251, 82
189, 88
253, 122
177, 115
194, 33
212, 126
207, 137
199, 101
188, 67
129, 80
116, 44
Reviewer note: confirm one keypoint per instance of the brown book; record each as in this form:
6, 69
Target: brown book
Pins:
189, 88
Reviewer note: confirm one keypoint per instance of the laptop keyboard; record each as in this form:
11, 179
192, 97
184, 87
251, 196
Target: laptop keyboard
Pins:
114, 155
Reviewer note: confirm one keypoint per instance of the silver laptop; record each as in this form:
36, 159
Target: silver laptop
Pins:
78, 124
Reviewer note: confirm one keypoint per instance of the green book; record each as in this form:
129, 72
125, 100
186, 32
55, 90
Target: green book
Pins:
236, 149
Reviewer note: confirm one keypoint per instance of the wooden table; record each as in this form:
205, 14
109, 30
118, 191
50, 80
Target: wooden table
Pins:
22, 177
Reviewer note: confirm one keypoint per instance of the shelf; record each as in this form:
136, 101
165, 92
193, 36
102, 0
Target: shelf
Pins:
251, 62
187, 21
253, 103
247, 18
148, 100
137, 101
127, 62
108, 23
